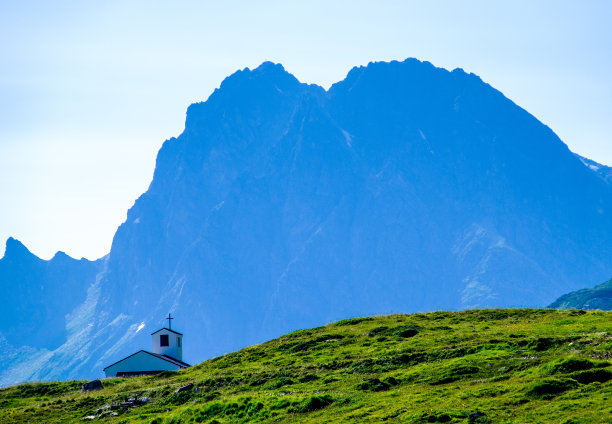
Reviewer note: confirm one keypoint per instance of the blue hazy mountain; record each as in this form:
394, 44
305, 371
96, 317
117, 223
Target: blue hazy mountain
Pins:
37, 294
598, 297
605, 172
38, 298
402, 188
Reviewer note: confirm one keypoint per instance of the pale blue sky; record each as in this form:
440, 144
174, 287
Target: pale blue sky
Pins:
89, 90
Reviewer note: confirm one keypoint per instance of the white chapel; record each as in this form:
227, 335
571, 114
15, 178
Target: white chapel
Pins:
167, 355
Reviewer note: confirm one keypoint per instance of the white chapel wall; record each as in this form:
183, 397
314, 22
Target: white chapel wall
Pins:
172, 350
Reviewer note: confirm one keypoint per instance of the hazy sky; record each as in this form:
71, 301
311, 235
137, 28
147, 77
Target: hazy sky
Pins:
89, 90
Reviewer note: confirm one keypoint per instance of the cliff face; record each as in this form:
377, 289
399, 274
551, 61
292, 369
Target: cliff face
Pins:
281, 206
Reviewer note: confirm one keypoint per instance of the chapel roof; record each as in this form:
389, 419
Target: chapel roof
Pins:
165, 328
164, 357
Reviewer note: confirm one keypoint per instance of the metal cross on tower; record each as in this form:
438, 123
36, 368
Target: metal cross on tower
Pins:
169, 318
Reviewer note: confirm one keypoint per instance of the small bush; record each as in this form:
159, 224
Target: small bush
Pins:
591, 376
310, 344
542, 344
374, 385
551, 387
403, 331
353, 321
163, 375
443, 418
314, 403
390, 381
378, 330
282, 404
455, 374
178, 398
280, 382
257, 382
410, 358
409, 332
363, 366
571, 365
210, 411
307, 378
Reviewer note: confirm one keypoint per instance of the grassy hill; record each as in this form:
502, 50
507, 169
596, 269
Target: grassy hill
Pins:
511, 365
598, 297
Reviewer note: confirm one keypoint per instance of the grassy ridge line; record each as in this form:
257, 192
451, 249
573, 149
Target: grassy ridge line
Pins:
514, 365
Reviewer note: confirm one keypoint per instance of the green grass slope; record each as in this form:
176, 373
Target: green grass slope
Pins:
598, 297
510, 366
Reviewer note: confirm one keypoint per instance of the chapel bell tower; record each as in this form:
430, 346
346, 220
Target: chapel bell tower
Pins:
168, 342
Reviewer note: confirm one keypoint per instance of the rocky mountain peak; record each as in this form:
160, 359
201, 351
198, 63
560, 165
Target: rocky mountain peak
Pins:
16, 250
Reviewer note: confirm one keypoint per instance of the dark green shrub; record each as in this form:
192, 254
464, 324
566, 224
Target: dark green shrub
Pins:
178, 398
314, 403
307, 378
591, 376
541, 344
551, 387
403, 331
410, 358
364, 366
378, 330
455, 374
390, 381
373, 385
571, 365
310, 344
544, 343
281, 404
211, 410
353, 321
163, 375
410, 332
257, 382
280, 382
444, 418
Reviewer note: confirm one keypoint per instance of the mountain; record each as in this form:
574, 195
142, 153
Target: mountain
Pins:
402, 188
38, 298
605, 172
35, 294
598, 297
476, 366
